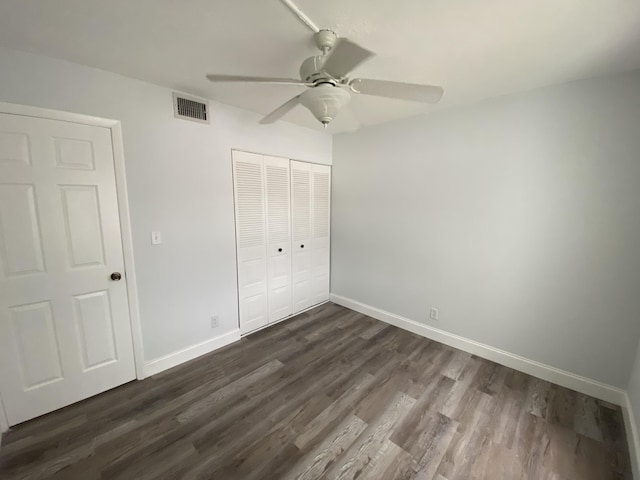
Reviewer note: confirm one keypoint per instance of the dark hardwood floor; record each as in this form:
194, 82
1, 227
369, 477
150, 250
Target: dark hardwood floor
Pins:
328, 394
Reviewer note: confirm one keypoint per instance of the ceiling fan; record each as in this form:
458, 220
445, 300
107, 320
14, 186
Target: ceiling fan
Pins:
326, 76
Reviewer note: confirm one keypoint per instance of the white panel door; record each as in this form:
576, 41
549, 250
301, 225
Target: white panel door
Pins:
321, 214
301, 244
248, 179
65, 332
276, 172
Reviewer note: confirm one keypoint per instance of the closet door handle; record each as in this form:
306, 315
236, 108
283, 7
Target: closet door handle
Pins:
279, 249
301, 246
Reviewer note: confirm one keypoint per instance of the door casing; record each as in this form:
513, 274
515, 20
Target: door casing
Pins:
123, 211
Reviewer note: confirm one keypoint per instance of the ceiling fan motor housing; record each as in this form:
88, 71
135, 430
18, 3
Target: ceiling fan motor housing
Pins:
311, 71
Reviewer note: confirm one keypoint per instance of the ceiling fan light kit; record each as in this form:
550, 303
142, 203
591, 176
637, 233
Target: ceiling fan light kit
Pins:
324, 102
325, 76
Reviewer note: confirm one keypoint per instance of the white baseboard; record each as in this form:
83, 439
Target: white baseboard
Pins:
176, 358
284, 318
630, 426
563, 378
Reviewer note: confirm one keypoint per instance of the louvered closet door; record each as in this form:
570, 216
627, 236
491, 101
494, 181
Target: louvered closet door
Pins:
301, 234
248, 176
321, 208
276, 171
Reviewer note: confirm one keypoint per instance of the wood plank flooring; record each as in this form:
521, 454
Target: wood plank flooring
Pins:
329, 394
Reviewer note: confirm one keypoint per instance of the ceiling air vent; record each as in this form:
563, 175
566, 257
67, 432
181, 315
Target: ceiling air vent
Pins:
190, 108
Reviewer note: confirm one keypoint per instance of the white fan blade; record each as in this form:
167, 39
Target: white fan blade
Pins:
244, 78
301, 15
344, 57
400, 90
281, 111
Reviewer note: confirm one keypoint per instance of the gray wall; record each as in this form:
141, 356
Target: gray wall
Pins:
179, 183
519, 218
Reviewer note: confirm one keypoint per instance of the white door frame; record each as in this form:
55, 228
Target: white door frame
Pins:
123, 210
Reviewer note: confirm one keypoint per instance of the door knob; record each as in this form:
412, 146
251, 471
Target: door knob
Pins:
279, 249
115, 276
301, 246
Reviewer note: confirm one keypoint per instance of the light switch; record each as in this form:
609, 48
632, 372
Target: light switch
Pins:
156, 238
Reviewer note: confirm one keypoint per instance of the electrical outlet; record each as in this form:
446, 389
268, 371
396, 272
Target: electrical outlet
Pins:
214, 321
434, 313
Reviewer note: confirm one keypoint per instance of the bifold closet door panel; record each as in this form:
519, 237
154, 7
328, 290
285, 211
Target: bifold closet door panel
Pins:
301, 234
321, 214
278, 215
249, 191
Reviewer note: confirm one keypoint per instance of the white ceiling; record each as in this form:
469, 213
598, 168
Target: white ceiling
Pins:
475, 49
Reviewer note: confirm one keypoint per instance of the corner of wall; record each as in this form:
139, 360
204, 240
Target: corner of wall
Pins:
4, 421
633, 441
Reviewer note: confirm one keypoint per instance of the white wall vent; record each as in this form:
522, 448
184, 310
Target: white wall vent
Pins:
190, 108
